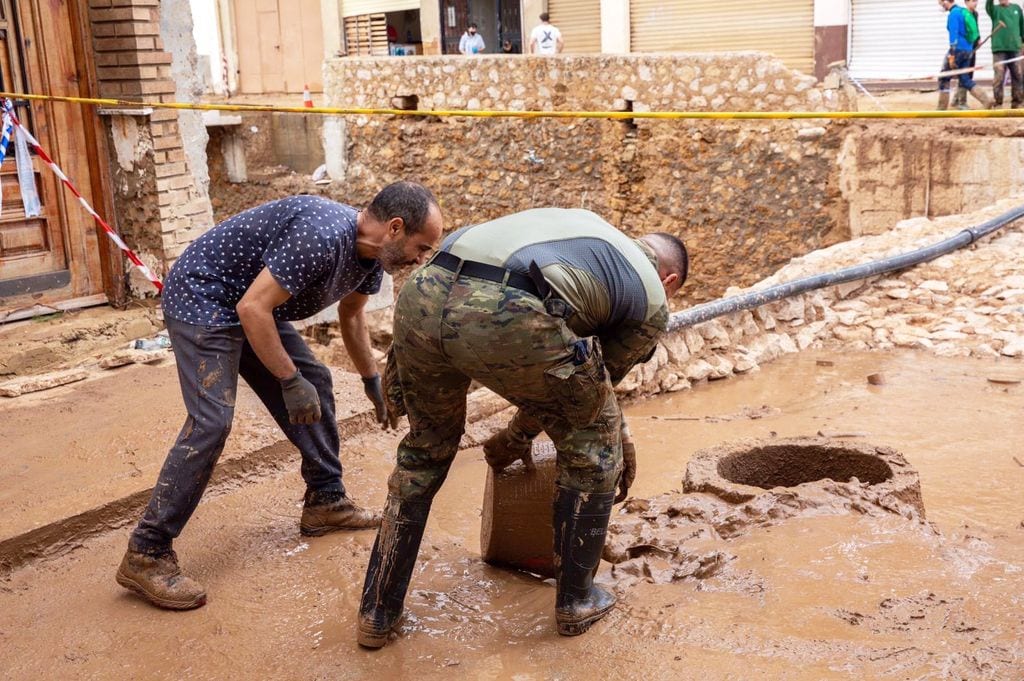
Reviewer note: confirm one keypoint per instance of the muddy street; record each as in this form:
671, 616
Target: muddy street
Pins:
818, 596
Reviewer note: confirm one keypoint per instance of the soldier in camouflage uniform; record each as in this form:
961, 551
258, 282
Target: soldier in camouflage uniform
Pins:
549, 308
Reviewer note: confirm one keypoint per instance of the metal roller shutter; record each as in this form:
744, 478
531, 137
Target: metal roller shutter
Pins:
351, 8
784, 28
904, 39
580, 24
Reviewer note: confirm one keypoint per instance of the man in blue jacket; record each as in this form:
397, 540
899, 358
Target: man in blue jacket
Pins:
961, 48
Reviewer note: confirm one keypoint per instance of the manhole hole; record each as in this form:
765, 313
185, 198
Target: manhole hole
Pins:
738, 472
794, 463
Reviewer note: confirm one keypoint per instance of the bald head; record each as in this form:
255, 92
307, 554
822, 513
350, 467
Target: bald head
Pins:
673, 260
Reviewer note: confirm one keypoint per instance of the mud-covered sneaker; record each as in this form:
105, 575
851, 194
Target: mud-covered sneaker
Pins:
325, 512
158, 579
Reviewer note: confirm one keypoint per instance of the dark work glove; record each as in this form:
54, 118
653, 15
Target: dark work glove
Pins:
951, 60
301, 399
372, 388
628, 470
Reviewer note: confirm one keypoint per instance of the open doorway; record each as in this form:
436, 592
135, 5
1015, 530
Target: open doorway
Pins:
404, 34
497, 21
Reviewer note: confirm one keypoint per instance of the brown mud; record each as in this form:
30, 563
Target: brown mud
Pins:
834, 596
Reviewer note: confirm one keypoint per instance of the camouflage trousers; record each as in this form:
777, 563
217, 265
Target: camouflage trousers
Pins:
452, 329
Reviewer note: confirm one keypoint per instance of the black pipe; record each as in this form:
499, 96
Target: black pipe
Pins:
747, 301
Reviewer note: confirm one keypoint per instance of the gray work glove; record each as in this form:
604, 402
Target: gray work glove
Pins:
301, 399
628, 470
373, 389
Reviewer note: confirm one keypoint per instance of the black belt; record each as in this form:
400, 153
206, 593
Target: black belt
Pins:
482, 270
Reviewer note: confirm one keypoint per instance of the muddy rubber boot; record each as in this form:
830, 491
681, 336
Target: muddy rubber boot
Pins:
982, 97
960, 99
581, 523
506, 447
158, 579
325, 512
387, 575
943, 101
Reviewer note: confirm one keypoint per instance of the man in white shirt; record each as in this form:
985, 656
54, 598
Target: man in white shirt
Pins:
471, 42
546, 38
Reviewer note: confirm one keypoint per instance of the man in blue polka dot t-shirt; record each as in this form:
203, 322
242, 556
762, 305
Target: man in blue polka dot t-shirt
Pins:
228, 302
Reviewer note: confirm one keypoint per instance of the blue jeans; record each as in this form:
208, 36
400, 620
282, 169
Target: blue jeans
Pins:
210, 360
963, 61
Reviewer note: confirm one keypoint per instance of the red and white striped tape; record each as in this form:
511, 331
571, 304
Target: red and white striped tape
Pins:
129, 253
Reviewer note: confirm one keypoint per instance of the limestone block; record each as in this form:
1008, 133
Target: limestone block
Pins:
33, 384
742, 362
714, 333
656, 361
675, 347
850, 334
721, 367
631, 382
764, 315
697, 370
694, 341
1014, 348
789, 309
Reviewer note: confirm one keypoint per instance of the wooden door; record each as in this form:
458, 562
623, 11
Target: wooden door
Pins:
454, 19
55, 256
280, 45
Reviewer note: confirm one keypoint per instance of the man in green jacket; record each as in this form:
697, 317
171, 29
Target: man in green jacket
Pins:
1006, 44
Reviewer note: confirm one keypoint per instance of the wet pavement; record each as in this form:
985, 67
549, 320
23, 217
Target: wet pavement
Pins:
819, 597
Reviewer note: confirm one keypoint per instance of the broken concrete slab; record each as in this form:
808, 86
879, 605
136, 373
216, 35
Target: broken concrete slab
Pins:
34, 384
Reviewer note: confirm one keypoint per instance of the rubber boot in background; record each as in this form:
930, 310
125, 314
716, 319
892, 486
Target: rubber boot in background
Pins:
981, 96
943, 100
390, 569
581, 523
960, 99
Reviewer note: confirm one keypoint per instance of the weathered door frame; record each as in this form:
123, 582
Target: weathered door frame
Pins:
94, 258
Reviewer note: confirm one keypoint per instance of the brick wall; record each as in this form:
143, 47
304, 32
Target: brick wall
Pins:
158, 208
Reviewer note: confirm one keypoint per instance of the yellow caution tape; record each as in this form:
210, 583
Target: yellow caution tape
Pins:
613, 115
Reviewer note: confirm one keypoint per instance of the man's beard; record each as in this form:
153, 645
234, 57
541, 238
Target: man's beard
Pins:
392, 257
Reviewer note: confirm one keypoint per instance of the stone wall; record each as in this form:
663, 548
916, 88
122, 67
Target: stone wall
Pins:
891, 171
746, 195
158, 203
966, 303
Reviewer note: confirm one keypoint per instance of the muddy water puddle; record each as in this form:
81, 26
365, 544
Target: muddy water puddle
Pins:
831, 596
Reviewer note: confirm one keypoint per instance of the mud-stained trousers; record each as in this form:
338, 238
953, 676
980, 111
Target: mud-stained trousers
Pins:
210, 359
1016, 70
450, 330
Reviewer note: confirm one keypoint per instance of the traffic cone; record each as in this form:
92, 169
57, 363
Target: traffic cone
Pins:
307, 99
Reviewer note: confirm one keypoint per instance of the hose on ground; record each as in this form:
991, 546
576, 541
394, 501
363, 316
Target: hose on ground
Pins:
752, 299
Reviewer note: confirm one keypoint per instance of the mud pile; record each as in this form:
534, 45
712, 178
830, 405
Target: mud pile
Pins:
732, 489
969, 303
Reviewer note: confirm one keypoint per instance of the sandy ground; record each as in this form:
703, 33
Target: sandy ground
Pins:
114, 433
849, 596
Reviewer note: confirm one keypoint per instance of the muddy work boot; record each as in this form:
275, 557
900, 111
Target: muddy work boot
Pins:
505, 447
982, 97
960, 99
158, 579
581, 523
325, 512
943, 100
390, 568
